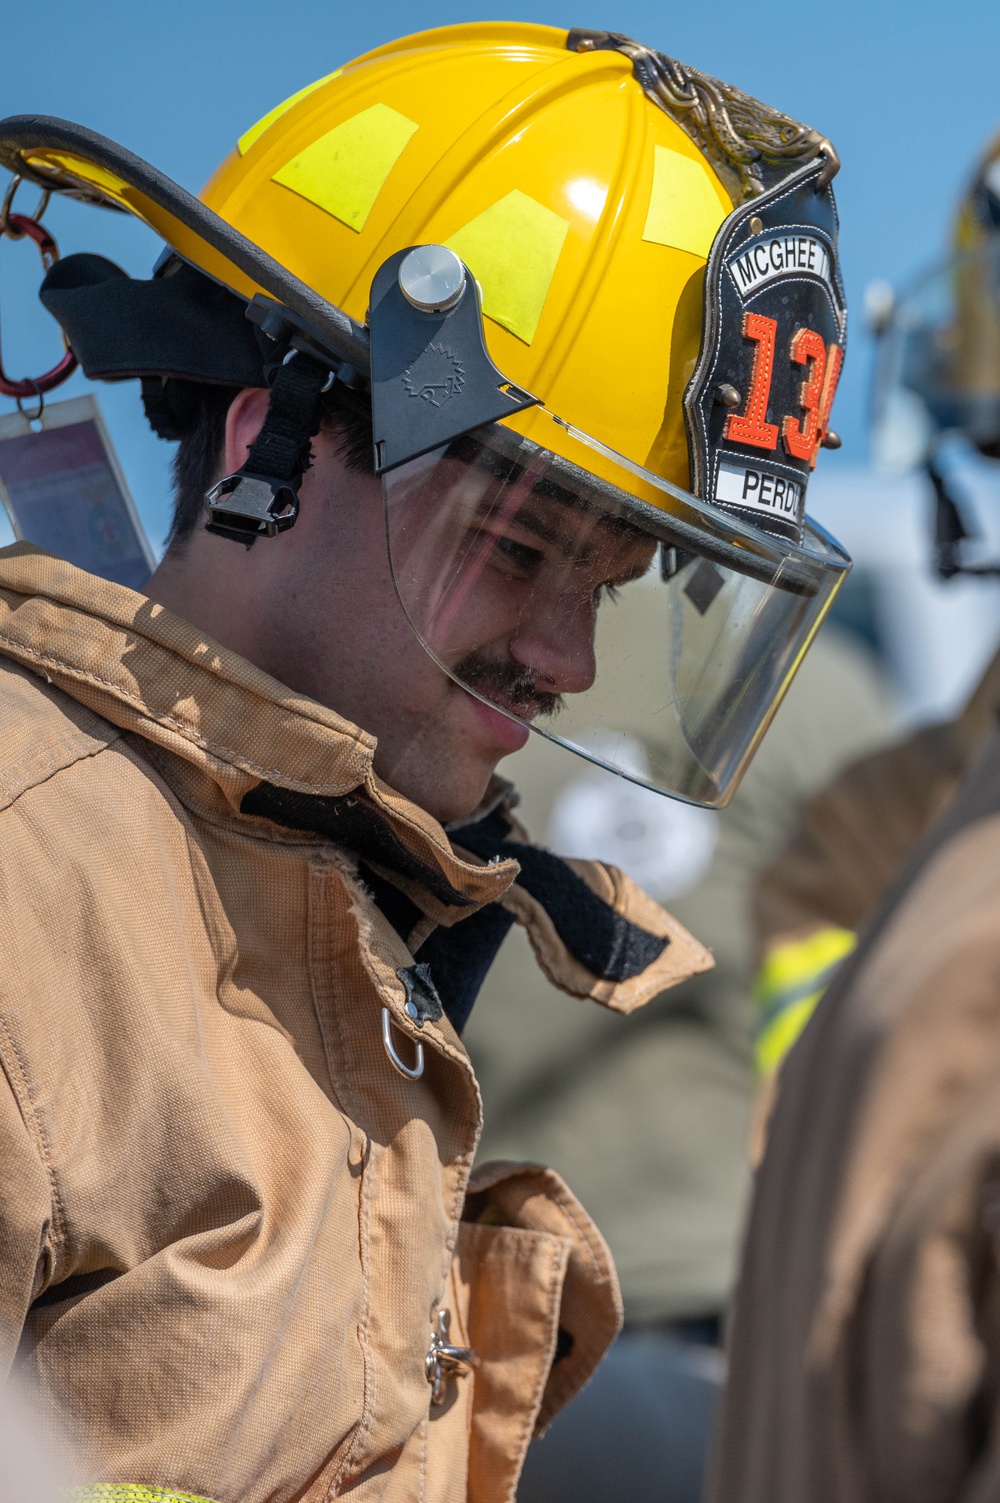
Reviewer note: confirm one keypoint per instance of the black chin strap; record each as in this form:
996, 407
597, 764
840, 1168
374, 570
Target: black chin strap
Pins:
261, 498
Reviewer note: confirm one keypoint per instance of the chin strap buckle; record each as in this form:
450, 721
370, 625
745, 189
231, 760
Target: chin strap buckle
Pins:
245, 507
261, 498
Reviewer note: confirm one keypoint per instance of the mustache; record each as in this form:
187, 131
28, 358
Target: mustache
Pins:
508, 684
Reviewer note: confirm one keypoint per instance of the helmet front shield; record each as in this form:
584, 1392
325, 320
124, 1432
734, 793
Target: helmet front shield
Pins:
565, 602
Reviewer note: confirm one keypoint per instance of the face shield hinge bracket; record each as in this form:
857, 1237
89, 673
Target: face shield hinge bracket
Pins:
432, 378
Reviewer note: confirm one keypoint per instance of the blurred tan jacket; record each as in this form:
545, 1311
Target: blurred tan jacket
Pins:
228, 1223
813, 898
855, 834
865, 1352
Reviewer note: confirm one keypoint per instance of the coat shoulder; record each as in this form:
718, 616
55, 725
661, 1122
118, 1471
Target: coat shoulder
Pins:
42, 731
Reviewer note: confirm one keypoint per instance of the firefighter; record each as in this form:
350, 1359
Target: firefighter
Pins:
463, 347
865, 1347
936, 409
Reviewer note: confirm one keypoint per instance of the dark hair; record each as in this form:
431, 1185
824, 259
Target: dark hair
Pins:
199, 453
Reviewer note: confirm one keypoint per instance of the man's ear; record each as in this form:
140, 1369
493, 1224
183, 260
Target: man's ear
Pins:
244, 421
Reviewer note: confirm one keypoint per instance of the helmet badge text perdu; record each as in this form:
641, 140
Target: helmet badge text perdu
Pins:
595, 307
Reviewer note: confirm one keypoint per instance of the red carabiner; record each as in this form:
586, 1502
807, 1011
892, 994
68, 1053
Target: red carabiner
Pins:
49, 252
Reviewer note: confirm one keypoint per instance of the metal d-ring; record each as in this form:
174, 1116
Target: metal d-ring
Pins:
327, 384
390, 1049
10, 230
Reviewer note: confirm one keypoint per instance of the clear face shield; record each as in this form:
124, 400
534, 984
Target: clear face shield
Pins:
567, 604
937, 401
572, 591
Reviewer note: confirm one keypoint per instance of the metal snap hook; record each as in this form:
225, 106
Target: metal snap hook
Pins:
7, 227
390, 1049
19, 227
327, 384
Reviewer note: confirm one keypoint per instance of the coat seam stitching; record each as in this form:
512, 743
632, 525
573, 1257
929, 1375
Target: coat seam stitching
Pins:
321, 871
554, 1305
52, 769
355, 733
18, 1077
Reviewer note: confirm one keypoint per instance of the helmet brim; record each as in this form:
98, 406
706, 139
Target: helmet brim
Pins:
64, 157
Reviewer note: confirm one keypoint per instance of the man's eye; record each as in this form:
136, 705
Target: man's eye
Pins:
519, 554
608, 592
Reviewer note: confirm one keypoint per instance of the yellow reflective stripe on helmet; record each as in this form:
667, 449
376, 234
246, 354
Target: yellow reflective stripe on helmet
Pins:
129, 1492
789, 984
512, 249
345, 170
266, 121
686, 205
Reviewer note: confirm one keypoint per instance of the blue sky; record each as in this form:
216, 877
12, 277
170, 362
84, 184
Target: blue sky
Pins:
907, 92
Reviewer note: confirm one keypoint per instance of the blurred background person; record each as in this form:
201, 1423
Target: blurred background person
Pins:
865, 1342
935, 416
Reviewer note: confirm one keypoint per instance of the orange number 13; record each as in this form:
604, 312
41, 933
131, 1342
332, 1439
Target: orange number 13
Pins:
802, 435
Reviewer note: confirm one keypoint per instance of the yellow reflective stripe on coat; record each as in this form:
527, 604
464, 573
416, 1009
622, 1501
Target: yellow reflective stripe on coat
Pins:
789, 984
130, 1492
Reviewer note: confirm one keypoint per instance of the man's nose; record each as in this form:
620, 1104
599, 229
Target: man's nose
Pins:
555, 639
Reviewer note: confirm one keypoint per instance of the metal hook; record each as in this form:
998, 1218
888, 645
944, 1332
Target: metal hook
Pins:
390, 1049
445, 1362
7, 227
49, 252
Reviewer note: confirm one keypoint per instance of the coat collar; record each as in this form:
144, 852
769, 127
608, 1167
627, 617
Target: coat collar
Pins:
235, 727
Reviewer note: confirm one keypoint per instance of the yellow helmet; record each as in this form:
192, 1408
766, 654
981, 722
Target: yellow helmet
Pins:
650, 257
977, 293
943, 345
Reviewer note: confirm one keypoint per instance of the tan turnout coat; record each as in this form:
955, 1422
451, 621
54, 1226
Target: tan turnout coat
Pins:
865, 1352
856, 834
227, 1223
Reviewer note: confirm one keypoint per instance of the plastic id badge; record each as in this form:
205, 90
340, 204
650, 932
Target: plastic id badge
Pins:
63, 489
